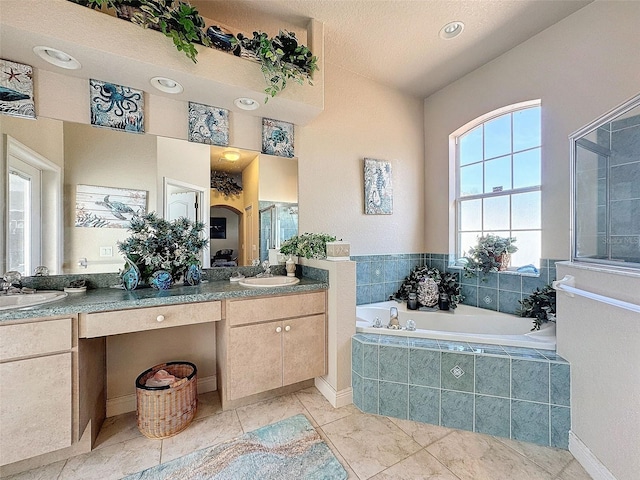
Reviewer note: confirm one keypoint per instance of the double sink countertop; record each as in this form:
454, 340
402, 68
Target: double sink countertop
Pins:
106, 299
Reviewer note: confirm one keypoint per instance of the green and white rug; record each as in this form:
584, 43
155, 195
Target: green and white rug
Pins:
289, 449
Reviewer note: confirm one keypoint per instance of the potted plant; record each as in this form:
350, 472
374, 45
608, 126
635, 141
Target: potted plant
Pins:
282, 59
307, 245
540, 305
491, 254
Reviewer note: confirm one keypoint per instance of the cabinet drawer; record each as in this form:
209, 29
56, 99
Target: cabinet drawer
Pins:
35, 338
243, 311
136, 320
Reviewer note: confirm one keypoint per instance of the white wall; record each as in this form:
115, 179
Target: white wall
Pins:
362, 119
581, 67
601, 343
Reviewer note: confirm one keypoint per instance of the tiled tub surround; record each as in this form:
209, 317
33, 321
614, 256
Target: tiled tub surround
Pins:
510, 392
379, 276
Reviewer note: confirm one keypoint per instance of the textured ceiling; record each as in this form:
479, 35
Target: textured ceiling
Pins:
396, 42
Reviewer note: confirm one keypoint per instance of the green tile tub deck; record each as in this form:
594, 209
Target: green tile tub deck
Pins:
106, 299
510, 392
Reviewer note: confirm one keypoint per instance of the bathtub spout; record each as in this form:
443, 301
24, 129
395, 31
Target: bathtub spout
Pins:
393, 319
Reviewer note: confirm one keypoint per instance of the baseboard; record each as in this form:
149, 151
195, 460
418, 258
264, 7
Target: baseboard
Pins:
588, 460
336, 398
127, 403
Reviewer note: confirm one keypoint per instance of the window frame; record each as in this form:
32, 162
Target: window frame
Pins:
454, 166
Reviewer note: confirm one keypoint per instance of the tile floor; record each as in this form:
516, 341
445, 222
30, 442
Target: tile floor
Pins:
368, 446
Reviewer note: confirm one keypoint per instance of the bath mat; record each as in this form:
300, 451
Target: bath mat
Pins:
289, 449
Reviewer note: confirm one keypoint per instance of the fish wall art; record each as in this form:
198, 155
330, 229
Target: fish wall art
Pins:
108, 207
16, 90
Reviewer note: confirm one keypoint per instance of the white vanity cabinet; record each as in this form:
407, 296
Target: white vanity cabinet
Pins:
36, 381
270, 342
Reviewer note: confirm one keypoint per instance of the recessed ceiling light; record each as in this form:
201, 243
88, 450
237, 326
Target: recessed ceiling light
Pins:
246, 103
231, 155
166, 85
57, 57
451, 30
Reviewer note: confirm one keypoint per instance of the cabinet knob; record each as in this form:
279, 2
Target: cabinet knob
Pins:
278, 329
287, 328
160, 318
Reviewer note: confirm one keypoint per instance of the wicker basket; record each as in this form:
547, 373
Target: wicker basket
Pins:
165, 411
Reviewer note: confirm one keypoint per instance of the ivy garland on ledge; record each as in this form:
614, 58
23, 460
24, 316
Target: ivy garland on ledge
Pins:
281, 58
224, 183
447, 283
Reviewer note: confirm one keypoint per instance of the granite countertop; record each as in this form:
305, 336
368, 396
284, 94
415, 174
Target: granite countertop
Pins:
105, 299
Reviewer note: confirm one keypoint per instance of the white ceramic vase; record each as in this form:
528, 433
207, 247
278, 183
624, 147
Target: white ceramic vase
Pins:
290, 265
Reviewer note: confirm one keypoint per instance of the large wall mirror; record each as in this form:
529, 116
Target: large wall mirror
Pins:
55, 172
606, 193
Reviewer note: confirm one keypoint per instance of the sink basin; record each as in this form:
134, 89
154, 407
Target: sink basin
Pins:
275, 281
22, 300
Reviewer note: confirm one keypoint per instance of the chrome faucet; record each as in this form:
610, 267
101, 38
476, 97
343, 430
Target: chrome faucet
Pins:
267, 270
393, 319
11, 282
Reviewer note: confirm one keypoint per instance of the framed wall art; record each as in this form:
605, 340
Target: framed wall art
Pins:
116, 107
277, 138
16, 90
108, 207
378, 187
208, 125
218, 228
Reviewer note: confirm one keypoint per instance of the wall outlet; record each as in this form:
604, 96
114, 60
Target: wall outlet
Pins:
106, 251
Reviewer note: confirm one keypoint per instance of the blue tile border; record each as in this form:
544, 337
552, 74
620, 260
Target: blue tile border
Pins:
380, 276
512, 392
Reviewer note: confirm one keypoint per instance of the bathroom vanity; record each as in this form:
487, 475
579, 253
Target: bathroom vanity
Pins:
53, 358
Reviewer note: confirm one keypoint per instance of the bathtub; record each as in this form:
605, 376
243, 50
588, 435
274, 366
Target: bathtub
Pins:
464, 324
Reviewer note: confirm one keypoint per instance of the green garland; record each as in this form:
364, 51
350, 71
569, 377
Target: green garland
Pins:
307, 245
540, 305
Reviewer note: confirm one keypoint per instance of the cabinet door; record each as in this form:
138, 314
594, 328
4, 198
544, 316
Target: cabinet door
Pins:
254, 359
304, 348
35, 406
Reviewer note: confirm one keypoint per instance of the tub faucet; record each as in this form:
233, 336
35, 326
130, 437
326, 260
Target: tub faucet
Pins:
393, 319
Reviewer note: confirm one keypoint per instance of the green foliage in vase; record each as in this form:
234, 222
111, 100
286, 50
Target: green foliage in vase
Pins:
307, 245
540, 305
485, 255
447, 283
157, 244
282, 59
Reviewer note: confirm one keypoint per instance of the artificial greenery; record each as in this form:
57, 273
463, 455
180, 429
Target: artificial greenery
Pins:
447, 283
487, 254
159, 244
540, 305
224, 183
307, 245
282, 59
177, 19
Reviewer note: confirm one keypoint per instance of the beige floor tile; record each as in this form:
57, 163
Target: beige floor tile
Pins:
320, 408
271, 411
118, 429
47, 472
369, 443
553, 460
350, 473
421, 465
114, 461
423, 433
574, 471
473, 456
208, 404
202, 433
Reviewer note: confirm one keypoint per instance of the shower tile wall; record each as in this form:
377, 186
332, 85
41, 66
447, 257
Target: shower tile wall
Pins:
624, 189
379, 276
510, 392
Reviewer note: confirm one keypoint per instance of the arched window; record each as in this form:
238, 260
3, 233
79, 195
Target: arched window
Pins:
498, 180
